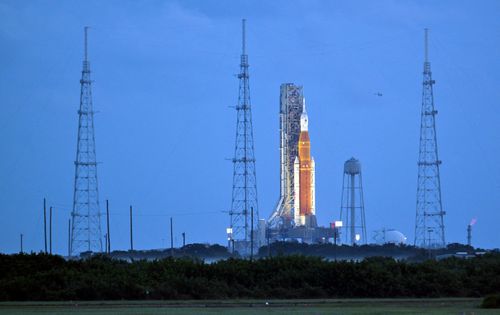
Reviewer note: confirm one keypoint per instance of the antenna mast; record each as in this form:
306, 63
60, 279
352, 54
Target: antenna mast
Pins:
85, 58
243, 37
426, 44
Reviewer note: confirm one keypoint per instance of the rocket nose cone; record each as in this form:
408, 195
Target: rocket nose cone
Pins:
304, 120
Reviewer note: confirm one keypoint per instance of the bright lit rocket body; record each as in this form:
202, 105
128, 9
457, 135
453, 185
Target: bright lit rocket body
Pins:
304, 177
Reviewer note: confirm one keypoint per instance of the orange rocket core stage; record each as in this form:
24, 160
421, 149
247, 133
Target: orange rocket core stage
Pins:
305, 173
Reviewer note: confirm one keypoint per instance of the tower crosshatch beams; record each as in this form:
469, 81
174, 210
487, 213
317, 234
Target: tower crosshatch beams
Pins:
429, 221
244, 212
85, 215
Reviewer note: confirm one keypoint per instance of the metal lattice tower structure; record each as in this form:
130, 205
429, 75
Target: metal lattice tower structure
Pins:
291, 104
429, 223
352, 209
244, 196
86, 215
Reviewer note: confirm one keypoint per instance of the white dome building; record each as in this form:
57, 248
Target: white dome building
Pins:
390, 236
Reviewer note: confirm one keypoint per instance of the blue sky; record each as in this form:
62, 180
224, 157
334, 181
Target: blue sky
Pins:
164, 84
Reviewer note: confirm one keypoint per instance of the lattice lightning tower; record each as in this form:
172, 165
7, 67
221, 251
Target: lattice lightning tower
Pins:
244, 197
86, 216
429, 224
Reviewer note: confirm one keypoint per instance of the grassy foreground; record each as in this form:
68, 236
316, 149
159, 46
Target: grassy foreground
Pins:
330, 306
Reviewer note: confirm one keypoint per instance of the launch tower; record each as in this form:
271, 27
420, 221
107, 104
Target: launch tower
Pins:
244, 213
291, 104
294, 217
296, 205
429, 222
85, 216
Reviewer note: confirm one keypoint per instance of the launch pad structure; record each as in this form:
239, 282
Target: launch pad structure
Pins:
294, 217
291, 103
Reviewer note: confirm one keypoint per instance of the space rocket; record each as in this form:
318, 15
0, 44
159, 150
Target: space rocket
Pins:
304, 177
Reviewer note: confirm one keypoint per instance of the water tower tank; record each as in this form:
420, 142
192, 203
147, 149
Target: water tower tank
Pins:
352, 166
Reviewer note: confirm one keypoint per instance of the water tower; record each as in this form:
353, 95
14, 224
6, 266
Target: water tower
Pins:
352, 210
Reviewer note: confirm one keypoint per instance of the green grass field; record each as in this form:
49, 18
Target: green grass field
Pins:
340, 306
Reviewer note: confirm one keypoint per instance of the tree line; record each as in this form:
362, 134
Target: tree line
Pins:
357, 252
42, 277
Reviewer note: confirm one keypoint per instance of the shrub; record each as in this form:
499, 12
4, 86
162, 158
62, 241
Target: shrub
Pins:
491, 301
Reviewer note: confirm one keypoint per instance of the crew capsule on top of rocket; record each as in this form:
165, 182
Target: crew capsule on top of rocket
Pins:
304, 176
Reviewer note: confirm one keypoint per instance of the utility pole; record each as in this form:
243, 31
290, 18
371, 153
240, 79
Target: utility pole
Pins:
22, 243
50, 230
108, 237
183, 239
268, 242
69, 237
251, 234
171, 237
45, 224
335, 235
469, 235
131, 232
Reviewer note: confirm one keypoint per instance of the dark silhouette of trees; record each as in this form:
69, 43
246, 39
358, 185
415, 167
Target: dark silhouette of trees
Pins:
47, 277
491, 301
